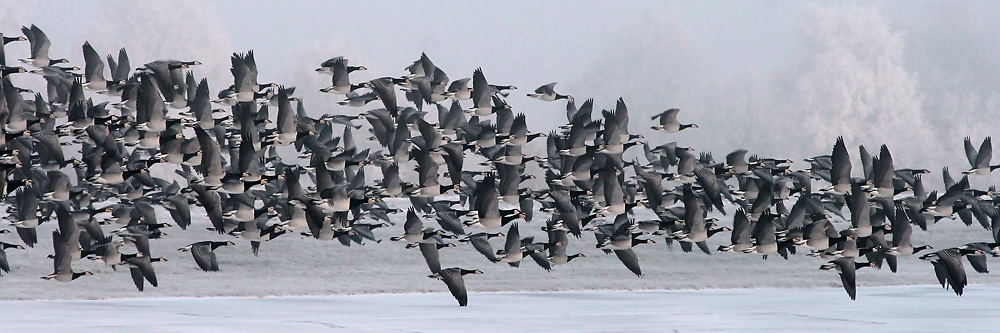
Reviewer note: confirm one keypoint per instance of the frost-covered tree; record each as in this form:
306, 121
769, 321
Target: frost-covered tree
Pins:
849, 79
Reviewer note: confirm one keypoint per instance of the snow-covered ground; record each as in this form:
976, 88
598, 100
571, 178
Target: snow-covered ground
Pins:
924, 308
294, 265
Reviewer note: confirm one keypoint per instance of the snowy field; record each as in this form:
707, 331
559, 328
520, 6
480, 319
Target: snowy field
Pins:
883, 309
294, 265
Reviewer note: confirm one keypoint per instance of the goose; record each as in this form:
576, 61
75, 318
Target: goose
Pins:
486, 204
536, 251
430, 253
481, 95
449, 221
459, 90
16, 121
764, 235
427, 170
499, 89
945, 205
94, 70
3, 42
141, 268
519, 135
293, 216
820, 235
244, 70
5, 71
120, 71
882, 174
736, 162
614, 196
711, 188
341, 81
840, 172
139, 233
364, 231
354, 99
327, 66
949, 269
204, 255
63, 271
108, 252
669, 123
980, 160
510, 182
70, 231
39, 48
4, 265
260, 232
847, 268
414, 231
385, 89
976, 254
58, 189
695, 230
546, 93
860, 210
741, 232
901, 244
846, 246
557, 253
480, 241
212, 203
286, 132
511, 253
452, 277
622, 236
179, 209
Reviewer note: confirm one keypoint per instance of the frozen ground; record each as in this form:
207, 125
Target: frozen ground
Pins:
884, 309
294, 265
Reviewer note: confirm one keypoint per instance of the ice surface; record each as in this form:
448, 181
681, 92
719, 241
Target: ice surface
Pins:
923, 308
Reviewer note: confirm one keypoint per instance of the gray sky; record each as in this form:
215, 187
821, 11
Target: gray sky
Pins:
526, 43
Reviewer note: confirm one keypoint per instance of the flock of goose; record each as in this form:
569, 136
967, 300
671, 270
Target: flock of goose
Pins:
225, 152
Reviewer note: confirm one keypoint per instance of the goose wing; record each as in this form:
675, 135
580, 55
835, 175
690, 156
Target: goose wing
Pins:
513, 242
481, 244
123, 70
630, 260
840, 173
145, 268
452, 277
480, 89
63, 260
205, 257
413, 224
970, 151
951, 263
39, 42
94, 68
848, 273
383, 87
431, 256
137, 277
985, 154
548, 89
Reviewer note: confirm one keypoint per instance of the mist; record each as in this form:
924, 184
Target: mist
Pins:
781, 79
